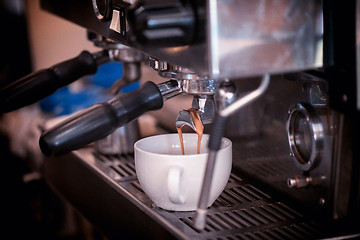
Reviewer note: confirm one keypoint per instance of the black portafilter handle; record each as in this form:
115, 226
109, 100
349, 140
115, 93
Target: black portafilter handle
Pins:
43, 83
100, 120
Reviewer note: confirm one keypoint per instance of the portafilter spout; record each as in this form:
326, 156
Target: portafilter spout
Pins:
185, 118
203, 102
204, 107
200, 87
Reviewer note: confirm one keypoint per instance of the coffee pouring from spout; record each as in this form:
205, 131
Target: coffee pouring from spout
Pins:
203, 106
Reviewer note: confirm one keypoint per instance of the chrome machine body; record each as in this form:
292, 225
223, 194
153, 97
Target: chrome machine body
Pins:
295, 142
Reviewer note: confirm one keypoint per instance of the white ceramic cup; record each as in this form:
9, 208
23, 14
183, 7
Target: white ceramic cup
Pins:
173, 181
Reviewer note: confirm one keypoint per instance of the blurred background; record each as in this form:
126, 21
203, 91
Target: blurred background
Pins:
33, 39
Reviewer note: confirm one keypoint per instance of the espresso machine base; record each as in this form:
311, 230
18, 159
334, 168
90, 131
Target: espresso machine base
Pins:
243, 211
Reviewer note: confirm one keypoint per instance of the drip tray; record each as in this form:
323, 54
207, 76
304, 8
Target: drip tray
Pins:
241, 212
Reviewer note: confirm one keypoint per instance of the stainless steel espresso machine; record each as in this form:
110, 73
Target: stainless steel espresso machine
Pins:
278, 77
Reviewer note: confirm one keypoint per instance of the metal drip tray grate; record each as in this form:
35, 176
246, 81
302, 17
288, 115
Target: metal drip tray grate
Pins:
241, 212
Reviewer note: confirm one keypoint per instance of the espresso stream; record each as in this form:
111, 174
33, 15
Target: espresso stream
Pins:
199, 129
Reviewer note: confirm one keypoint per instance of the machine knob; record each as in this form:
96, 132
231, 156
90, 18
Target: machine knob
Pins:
166, 23
304, 181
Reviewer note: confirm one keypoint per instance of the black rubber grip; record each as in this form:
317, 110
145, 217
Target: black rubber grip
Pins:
100, 120
217, 132
43, 83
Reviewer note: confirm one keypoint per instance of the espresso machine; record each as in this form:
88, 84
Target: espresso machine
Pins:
278, 77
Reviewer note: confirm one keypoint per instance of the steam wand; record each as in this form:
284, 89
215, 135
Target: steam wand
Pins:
215, 144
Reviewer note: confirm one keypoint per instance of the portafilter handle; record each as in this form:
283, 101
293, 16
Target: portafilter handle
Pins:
44, 82
102, 119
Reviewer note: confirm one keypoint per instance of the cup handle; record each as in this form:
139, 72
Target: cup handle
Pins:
174, 177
